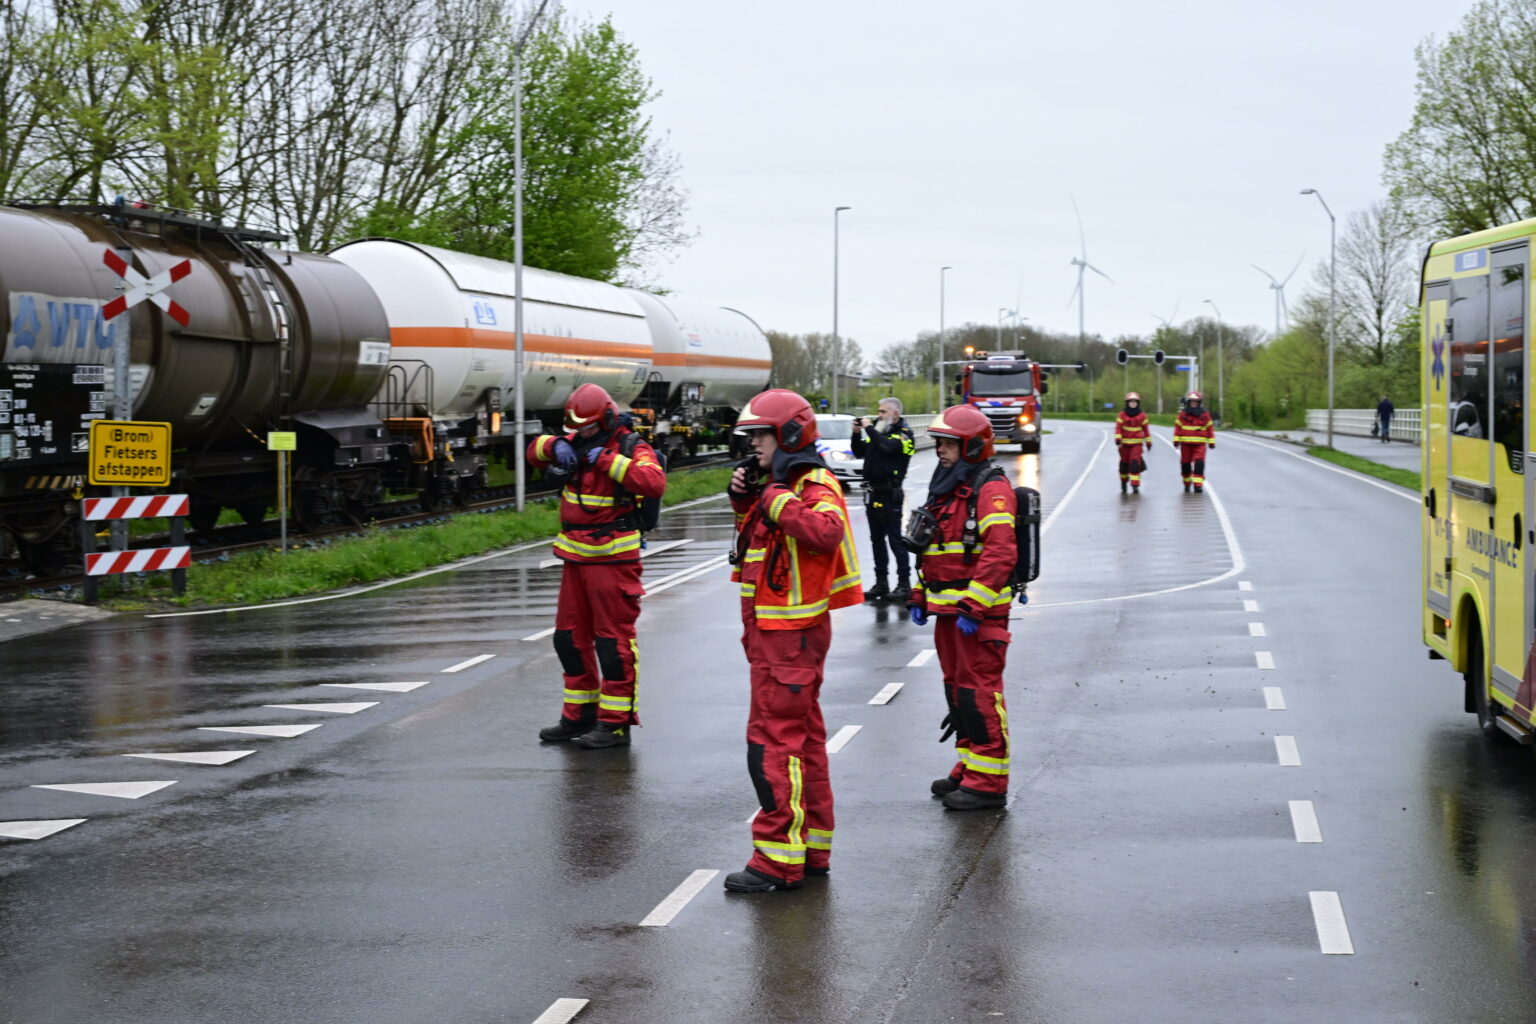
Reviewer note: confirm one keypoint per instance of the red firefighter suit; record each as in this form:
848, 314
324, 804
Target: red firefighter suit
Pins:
1193, 432
1134, 437
795, 561
966, 572
600, 584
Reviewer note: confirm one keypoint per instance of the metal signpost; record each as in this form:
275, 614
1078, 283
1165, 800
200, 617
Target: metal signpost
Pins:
282, 442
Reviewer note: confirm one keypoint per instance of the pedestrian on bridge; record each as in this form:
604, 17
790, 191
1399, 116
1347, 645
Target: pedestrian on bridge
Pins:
1134, 439
606, 469
964, 572
886, 446
1384, 411
795, 561
1193, 432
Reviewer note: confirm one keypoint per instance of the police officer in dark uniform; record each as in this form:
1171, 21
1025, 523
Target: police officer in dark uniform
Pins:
886, 446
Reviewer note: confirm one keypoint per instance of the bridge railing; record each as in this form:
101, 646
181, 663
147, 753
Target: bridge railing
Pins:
1358, 423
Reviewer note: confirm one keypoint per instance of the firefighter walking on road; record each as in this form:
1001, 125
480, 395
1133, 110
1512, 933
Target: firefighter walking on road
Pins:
964, 574
1193, 432
607, 469
794, 561
1134, 439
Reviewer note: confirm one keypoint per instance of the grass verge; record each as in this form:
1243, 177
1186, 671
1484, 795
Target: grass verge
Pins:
1391, 474
376, 554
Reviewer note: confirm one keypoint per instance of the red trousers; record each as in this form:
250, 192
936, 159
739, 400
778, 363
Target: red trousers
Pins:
1192, 463
595, 639
973, 685
787, 749
1132, 462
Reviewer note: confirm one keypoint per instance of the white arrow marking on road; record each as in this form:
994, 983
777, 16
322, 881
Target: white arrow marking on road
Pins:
1256, 629
921, 658
1285, 749
562, 1011
471, 663
281, 731
37, 829
1332, 929
197, 756
334, 707
1264, 659
840, 741
1274, 700
121, 790
888, 691
668, 908
386, 687
1304, 821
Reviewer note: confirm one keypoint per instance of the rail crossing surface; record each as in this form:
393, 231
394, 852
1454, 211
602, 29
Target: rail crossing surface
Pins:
1240, 792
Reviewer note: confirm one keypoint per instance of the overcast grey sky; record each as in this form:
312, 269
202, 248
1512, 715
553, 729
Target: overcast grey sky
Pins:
957, 134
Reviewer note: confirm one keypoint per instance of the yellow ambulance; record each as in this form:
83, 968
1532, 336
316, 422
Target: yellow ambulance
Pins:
1478, 497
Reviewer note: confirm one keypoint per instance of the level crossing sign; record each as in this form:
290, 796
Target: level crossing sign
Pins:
141, 288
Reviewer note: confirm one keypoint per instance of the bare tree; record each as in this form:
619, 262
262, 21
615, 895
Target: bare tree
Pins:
1375, 281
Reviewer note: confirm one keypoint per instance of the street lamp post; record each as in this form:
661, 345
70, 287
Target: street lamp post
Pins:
519, 368
1332, 326
837, 355
1221, 392
938, 365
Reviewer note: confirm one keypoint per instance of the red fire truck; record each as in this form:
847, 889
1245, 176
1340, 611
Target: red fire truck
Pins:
1007, 387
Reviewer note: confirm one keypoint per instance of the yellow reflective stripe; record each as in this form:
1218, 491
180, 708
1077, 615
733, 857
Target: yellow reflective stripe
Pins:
588, 500
793, 611
619, 466
794, 570
952, 548
820, 476
784, 853
996, 519
581, 696
985, 595
1002, 718
621, 544
776, 506
796, 803
984, 765
844, 582
756, 554
828, 506
749, 590
908, 445
611, 703
818, 838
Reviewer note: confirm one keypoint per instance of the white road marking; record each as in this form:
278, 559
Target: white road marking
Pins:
668, 582
37, 829
839, 741
1274, 700
753, 816
1256, 629
922, 658
668, 908
562, 1011
1250, 606
286, 732
1332, 929
196, 756
550, 563
1244, 585
470, 663
887, 691
121, 790
1072, 491
386, 687
335, 707
541, 634
1285, 750
1264, 659
1304, 821
1313, 460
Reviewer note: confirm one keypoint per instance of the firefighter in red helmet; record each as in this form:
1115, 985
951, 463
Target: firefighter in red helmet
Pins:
606, 469
967, 553
1193, 432
795, 561
1134, 439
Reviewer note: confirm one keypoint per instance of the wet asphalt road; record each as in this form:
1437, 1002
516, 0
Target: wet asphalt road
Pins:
424, 858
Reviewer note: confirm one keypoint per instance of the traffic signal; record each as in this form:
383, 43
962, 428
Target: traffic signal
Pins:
1082, 367
1158, 357
1122, 357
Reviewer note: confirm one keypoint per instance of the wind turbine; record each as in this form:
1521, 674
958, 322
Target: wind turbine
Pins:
1082, 264
1278, 287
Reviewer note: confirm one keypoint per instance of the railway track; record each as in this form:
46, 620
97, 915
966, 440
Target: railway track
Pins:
15, 583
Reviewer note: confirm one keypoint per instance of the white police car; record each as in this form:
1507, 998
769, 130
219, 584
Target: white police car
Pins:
836, 446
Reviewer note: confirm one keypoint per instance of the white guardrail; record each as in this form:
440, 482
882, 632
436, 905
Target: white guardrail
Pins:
1358, 423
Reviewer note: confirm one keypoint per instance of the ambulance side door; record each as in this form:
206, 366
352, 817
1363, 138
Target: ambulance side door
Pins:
1436, 452
1508, 290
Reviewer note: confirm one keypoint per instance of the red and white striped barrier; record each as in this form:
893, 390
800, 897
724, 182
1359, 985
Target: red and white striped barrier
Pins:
148, 506
109, 563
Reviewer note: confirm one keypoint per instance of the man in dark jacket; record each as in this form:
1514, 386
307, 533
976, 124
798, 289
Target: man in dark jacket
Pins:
886, 445
1384, 411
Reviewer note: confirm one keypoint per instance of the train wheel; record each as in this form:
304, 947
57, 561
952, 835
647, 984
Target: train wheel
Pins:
47, 559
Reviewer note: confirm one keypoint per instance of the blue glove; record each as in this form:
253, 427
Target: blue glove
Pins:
917, 615
967, 625
589, 455
565, 455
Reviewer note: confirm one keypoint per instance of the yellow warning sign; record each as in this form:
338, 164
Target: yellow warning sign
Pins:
282, 441
125, 452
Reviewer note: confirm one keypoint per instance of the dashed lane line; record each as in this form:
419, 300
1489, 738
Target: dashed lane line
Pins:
669, 908
1244, 585
840, 740
284, 732
335, 707
922, 658
119, 790
214, 757
37, 829
1304, 822
1250, 606
1256, 629
468, 663
562, 1011
540, 635
685, 575
1274, 700
1264, 659
1332, 929
385, 687
887, 691
1285, 750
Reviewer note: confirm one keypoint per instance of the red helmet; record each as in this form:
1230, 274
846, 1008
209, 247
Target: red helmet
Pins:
1194, 396
785, 413
590, 404
970, 427
1132, 396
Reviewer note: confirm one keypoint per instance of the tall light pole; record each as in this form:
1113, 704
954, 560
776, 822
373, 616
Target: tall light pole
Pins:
938, 365
1221, 385
1332, 327
837, 355
519, 369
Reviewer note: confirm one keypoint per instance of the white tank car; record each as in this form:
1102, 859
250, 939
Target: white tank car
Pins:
720, 352
454, 313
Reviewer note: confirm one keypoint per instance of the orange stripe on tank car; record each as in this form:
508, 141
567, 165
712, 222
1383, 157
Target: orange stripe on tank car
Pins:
474, 337
675, 359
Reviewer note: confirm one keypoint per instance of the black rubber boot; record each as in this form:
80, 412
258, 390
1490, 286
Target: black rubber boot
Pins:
817, 872
1186, 486
606, 734
878, 592
945, 786
568, 729
1122, 486
963, 799
1135, 488
1199, 488
902, 592
747, 880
